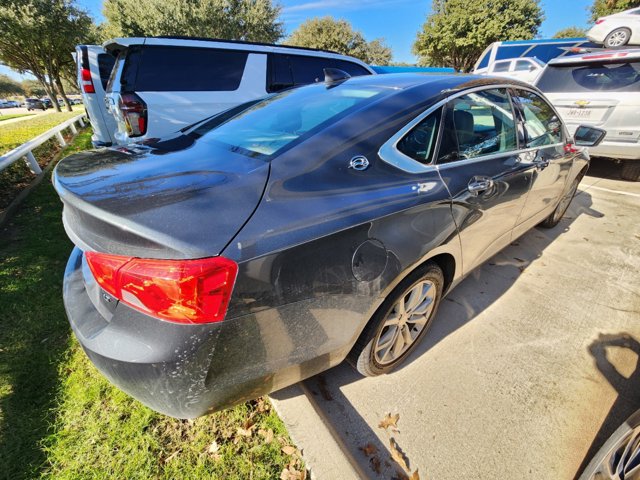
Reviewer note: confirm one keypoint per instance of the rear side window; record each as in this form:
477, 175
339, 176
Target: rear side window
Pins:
420, 142
541, 124
286, 71
501, 66
180, 69
477, 124
613, 77
105, 65
523, 66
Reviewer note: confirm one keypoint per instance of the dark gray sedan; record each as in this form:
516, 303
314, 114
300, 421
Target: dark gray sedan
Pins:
269, 243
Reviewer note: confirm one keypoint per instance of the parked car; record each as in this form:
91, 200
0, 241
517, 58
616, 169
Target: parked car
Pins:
160, 85
603, 90
46, 102
94, 67
542, 50
265, 244
34, 104
524, 69
617, 30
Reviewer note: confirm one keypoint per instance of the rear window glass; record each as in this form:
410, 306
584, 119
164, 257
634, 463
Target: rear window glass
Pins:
105, 65
617, 77
179, 69
270, 125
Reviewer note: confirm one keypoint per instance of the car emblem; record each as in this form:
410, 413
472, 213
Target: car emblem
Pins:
359, 163
582, 103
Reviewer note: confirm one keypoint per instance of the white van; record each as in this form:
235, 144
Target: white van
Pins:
601, 90
162, 84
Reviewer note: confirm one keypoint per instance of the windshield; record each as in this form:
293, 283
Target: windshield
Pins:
613, 77
264, 128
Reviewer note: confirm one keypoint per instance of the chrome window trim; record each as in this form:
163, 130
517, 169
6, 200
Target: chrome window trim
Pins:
389, 152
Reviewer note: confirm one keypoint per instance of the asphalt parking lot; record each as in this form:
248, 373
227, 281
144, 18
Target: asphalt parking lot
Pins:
531, 362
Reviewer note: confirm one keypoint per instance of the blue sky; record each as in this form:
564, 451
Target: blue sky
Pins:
397, 21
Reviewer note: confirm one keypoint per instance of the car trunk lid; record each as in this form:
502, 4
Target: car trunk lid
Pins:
171, 199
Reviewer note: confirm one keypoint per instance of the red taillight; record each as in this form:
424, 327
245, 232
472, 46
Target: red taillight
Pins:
183, 291
599, 21
570, 148
87, 83
134, 114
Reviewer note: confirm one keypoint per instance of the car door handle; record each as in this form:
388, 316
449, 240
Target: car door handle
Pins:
477, 185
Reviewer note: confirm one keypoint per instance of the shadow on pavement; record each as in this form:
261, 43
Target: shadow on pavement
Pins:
477, 292
627, 387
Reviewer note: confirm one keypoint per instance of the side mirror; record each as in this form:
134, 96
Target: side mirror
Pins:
588, 136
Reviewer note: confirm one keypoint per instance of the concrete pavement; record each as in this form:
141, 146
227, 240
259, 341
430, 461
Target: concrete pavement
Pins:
531, 363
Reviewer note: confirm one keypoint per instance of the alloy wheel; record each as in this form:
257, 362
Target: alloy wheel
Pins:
617, 39
404, 322
622, 462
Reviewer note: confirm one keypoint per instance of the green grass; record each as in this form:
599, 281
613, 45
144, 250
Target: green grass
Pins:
59, 418
14, 115
15, 134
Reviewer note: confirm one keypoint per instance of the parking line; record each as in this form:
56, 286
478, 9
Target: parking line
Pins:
613, 191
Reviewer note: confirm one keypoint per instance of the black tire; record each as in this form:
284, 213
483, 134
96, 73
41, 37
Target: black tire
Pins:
362, 357
616, 37
631, 170
555, 217
601, 462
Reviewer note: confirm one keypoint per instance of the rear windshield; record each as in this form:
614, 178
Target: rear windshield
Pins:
613, 77
264, 128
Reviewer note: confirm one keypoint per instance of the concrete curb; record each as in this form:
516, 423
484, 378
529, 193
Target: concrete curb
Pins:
307, 425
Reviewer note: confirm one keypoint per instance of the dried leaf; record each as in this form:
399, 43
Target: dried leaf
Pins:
390, 422
267, 435
369, 449
214, 447
290, 473
244, 432
289, 449
415, 475
398, 456
375, 464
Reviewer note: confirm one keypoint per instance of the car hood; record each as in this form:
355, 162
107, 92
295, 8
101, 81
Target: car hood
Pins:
177, 198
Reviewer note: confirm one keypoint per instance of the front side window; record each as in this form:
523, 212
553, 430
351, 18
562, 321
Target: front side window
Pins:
523, 66
420, 142
542, 126
477, 124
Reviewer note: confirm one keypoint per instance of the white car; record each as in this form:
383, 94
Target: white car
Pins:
524, 69
94, 67
600, 90
160, 85
617, 30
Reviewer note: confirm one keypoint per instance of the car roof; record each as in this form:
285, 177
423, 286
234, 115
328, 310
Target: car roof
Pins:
612, 56
115, 44
439, 82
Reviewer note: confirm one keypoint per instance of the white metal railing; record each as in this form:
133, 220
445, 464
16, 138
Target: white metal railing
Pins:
26, 149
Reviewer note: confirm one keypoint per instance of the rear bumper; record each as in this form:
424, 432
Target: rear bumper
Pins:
186, 371
617, 150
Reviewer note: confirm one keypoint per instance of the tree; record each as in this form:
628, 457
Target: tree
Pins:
571, 32
33, 88
38, 37
601, 8
337, 35
250, 20
8, 86
457, 31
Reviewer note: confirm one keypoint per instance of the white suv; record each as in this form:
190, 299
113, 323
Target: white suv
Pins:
602, 90
162, 84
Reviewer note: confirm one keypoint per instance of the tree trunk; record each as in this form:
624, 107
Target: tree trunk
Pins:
63, 94
51, 92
